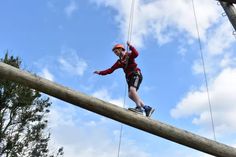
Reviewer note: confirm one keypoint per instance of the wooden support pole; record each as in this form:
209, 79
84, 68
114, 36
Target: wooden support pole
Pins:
230, 12
116, 113
228, 1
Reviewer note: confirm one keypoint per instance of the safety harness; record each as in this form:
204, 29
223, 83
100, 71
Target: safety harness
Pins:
131, 69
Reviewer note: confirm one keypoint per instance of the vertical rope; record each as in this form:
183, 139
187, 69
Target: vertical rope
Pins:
204, 69
130, 30
121, 126
131, 18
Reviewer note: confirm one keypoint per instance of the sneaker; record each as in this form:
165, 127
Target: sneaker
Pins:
149, 111
137, 110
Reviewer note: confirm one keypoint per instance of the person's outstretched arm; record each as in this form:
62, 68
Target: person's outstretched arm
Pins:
108, 71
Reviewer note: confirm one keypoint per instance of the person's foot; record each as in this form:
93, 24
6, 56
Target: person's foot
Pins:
149, 111
137, 109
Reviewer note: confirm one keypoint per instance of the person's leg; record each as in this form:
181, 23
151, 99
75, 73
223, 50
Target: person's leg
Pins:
134, 82
133, 95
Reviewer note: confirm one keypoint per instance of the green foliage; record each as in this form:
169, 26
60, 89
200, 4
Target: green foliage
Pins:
23, 122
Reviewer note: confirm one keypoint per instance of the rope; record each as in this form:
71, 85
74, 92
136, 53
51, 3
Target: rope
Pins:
131, 18
204, 69
121, 126
130, 30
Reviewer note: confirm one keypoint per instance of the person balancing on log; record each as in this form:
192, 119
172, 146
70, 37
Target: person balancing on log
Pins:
132, 73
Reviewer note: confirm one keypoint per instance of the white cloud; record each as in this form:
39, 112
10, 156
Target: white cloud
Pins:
47, 74
182, 51
160, 20
80, 136
222, 95
62, 116
228, 61
71, 8
104, 95
220, 39
70, 62
216, 49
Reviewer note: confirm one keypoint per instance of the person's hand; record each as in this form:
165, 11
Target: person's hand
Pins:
96, 72
128, 43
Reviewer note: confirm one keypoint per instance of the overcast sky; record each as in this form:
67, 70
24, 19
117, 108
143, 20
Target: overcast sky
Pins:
65, 41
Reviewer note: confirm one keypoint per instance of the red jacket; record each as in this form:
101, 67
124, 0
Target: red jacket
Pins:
127, 63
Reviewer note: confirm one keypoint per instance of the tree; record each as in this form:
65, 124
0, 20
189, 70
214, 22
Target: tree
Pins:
23, 119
